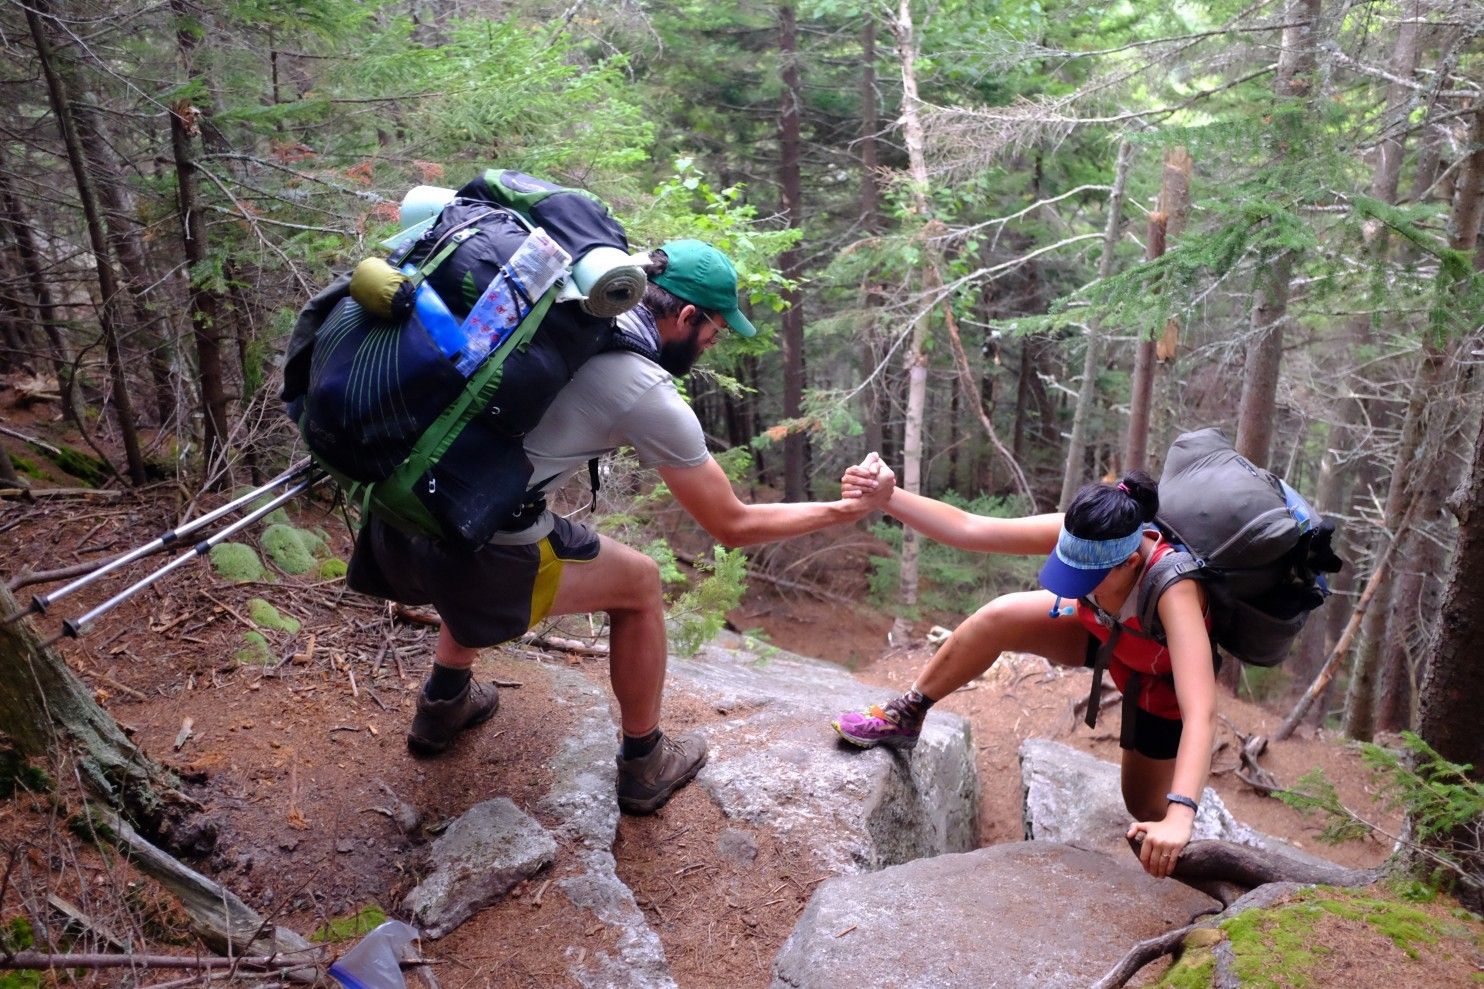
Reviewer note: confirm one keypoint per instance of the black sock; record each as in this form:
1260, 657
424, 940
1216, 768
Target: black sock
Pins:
911, 707
639, 746
447, 682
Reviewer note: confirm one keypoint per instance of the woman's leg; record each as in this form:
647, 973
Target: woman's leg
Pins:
1145, 783
1012, 623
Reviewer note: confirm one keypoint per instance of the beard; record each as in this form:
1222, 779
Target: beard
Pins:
679, 356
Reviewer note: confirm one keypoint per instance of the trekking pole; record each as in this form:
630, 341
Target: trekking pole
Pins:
77, 627
41, 602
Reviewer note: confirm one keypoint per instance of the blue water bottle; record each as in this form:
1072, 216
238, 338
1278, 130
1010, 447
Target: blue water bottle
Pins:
432, 314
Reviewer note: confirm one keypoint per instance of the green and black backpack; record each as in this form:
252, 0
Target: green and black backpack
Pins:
387, 413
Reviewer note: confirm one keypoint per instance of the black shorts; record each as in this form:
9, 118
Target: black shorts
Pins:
485, 596
1154, 737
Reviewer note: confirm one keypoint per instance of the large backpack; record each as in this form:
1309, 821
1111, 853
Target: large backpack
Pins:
388, 414
1256, 545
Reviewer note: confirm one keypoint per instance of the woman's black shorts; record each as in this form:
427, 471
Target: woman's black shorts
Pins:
1154, 737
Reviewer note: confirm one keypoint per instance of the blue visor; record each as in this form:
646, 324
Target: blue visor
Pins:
1079, 565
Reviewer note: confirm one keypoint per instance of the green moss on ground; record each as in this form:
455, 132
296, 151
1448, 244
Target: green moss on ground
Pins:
332, 569
88, 469
264, 615
279, 515
255, 651
292, 550
237, 562
350, 927
17, 773
1279, 946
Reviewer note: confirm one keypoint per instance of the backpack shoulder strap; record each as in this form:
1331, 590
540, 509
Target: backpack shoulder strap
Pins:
1164, 573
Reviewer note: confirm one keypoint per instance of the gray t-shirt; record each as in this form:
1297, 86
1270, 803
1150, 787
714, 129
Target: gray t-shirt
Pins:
616, 399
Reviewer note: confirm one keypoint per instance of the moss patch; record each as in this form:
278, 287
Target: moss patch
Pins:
17, 773
264, 615
87, 468
292, 550
332, 569
362, 921
254, 651
279, 515
27, 467
237, 562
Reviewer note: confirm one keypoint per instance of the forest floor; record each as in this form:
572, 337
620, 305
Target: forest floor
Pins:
299, 760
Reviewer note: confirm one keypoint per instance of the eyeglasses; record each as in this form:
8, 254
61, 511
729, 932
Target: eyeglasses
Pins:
718, 324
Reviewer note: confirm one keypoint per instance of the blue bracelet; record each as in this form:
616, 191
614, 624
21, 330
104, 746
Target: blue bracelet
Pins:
1183, 801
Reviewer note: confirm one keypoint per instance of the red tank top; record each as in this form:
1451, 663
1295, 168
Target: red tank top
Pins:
1140, 653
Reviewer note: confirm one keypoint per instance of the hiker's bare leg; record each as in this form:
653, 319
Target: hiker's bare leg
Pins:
451, 654
1011, 623
1145, 782
626, 584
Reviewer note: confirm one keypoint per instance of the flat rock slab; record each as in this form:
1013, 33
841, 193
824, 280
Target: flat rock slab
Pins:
1073, 797
777, 764
489, 849
1035, 914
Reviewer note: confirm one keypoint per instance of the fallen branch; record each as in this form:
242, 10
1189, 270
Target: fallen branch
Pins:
217, 915
31, 494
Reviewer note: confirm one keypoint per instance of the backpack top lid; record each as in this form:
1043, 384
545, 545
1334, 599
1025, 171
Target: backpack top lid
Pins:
1227, 511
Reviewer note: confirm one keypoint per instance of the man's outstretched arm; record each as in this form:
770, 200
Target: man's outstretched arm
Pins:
706, 494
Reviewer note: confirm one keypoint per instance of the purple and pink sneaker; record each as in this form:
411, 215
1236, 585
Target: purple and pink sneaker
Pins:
879, 725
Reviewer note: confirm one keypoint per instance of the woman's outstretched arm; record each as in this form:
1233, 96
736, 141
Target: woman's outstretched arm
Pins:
1033, 535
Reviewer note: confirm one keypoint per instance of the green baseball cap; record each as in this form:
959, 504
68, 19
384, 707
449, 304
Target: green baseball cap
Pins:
705, 277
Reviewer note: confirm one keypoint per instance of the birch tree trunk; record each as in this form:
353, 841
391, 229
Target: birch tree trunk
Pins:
916, 359
795, 445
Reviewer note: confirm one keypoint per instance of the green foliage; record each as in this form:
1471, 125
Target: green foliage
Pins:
660, 552
16, 934
332, 569
255, 651
953, 580
237, 562
1442, 804
27, 467
349, 927
699, 613
265, 615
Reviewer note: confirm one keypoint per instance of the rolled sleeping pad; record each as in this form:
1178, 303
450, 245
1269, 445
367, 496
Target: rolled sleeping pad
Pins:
608, 281
381, 289
423, 202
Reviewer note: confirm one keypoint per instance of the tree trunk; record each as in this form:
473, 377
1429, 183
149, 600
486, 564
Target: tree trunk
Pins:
1167, 220
1074, 474
791, 261
916, 358
876, 392
206, 309
1270, 294
1452, 691
1426, 418
108, 285
117, 201
46, 710
63, 360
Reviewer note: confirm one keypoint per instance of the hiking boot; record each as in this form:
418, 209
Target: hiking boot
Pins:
645, 783
437, 722
878, 725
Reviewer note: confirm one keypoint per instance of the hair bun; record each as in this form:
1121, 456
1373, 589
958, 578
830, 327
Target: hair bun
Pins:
1142, 488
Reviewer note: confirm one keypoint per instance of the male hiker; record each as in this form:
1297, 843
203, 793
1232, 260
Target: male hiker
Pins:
622, 397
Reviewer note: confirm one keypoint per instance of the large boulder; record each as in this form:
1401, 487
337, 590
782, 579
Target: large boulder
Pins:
776, 763
1032, 914
1075, 798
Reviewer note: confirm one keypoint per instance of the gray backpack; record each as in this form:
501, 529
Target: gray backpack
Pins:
1257, 546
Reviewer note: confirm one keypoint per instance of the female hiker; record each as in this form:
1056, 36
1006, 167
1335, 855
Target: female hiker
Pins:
1098, 552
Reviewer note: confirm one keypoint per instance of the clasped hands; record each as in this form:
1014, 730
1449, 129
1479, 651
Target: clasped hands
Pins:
871, 482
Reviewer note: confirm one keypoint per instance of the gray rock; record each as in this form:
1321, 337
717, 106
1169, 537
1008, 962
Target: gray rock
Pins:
1073, 797
1033, 914
493, 846
736, 846
777, 764
584, 805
